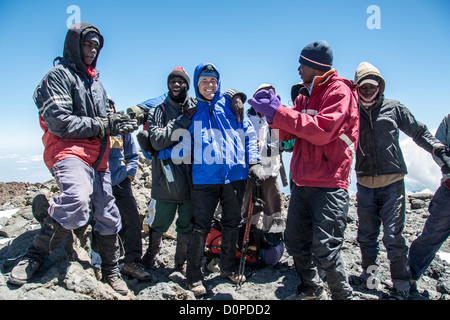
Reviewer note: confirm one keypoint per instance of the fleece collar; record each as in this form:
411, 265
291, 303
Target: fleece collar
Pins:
319, 79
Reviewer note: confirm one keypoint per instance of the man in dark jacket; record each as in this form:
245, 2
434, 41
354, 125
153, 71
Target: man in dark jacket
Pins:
72, 112
437, 227
380, 170
171, 185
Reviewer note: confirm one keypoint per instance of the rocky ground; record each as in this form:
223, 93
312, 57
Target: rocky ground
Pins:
68, 274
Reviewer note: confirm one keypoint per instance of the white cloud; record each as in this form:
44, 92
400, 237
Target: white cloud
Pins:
423, 173
27, 158
10, 156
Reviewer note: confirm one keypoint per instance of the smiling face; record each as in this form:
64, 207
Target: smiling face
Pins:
207, 88
90, 50
177, 85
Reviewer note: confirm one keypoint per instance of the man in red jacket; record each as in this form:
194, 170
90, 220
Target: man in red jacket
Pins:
324, 123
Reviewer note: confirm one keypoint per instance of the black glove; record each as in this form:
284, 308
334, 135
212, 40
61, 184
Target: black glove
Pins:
189, 108
116, 123
141, 114
444, 155
256, 173
144, 142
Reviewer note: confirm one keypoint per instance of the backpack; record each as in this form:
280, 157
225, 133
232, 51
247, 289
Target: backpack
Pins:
259, 250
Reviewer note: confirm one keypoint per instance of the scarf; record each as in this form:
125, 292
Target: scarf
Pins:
90, 70
368, 102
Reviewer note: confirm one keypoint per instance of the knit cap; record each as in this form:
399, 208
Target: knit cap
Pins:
317, 55
92, 36
207, 71
179, 72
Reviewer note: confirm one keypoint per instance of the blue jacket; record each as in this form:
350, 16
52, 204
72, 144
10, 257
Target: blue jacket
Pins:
220, 146
123, 158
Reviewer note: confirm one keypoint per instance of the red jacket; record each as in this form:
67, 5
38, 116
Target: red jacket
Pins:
325, 127
87, 150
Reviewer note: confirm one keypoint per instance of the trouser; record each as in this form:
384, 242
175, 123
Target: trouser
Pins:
314, 235
81, 186
205, 199
165, 214
385, 205
131, 222
435, 232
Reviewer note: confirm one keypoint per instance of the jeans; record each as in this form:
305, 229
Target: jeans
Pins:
385, 205
435, 232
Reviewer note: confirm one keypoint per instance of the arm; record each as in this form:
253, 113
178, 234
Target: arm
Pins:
160, 134
415, 129
53, 98
131, 155
318, 128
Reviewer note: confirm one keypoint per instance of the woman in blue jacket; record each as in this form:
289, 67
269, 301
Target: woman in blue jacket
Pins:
225, 153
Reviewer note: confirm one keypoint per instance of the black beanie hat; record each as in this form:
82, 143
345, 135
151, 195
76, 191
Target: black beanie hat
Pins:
317, 55
179, 72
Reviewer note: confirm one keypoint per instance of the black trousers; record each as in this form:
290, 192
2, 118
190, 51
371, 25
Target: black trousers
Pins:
130, 233
205, 199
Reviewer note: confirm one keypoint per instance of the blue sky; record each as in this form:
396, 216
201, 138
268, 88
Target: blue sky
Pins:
251, 42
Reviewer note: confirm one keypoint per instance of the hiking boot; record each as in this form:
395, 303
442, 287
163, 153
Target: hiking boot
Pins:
234, 277
39, 208
197, 288
23, 271
154, 246
116, 282
413, 286
181, 267
320, 294
397, 294
136, 270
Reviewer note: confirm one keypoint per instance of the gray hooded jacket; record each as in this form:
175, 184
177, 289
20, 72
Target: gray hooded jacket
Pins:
68, 100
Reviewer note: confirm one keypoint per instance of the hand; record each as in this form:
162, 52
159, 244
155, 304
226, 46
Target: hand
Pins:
238, 107
116, 123
143, 138
140, 114
444, 155
266, 102
256, 173
126, 124
189, 108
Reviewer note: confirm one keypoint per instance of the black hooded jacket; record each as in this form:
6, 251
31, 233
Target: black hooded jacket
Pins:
68, 100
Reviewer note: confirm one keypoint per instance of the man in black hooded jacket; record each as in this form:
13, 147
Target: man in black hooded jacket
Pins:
72, 112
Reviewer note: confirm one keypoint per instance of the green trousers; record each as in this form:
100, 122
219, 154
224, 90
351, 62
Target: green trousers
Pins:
165, 214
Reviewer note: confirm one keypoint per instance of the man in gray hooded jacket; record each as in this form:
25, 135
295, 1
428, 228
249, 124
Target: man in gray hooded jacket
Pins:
380, 169
72, 112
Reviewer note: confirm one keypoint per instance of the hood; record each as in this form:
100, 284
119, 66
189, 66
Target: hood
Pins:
197, 71
364, 70
73, 44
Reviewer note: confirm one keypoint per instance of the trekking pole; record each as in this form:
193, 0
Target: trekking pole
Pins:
247, 198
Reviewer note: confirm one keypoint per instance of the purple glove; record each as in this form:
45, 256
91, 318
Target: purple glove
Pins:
266, 102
